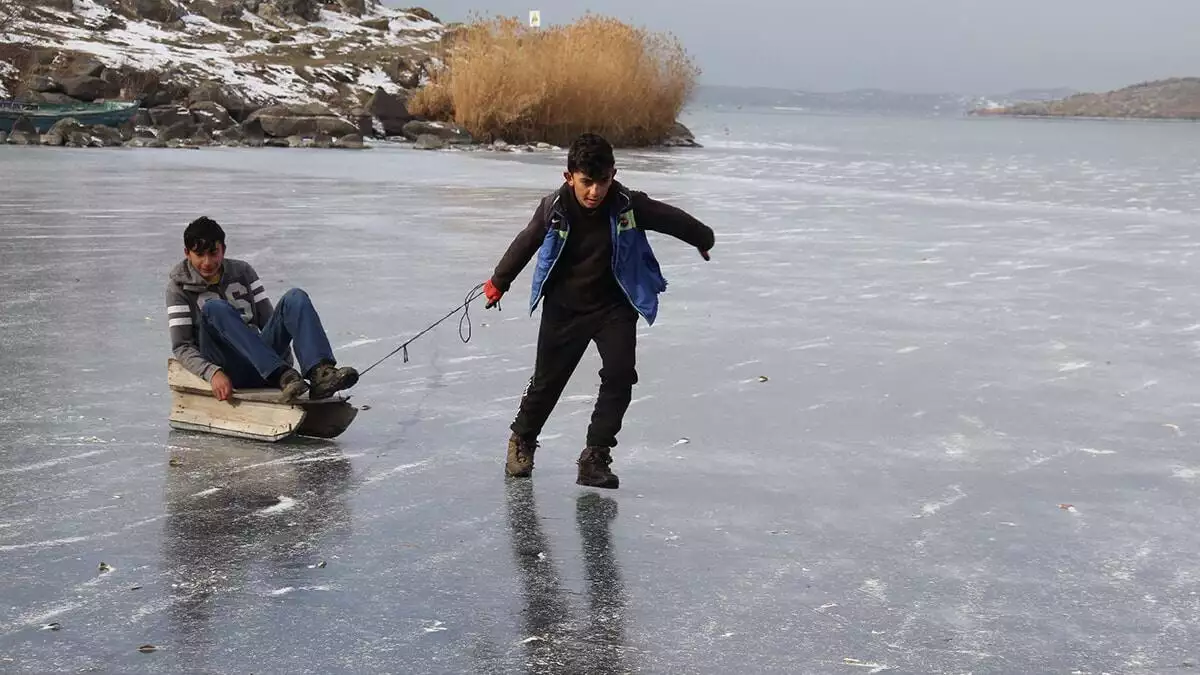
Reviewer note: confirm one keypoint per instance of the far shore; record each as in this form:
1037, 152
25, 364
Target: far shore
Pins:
1083, 118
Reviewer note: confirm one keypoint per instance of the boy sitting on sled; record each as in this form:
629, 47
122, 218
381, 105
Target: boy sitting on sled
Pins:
597, 274
224, 329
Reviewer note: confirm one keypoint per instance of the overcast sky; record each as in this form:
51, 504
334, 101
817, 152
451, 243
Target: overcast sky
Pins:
978, 46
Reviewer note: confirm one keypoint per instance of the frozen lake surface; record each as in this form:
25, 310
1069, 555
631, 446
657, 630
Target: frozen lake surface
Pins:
930, 409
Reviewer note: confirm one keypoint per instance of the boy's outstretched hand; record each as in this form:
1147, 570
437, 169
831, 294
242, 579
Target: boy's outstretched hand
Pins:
704, 254
492, 293
221, 386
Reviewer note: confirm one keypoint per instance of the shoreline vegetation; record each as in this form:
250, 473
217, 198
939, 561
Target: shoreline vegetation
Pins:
502, 80
331, 74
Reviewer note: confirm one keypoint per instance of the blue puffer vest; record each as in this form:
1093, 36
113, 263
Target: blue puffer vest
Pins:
633, 263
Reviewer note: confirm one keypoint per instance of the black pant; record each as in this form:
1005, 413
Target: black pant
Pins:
562, 340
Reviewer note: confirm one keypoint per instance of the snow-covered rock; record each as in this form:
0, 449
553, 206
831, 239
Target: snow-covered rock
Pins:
242, 55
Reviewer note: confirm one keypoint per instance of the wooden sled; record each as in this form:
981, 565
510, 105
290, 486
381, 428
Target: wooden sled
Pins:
257, 414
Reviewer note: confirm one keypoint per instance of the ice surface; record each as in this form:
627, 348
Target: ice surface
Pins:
920, 484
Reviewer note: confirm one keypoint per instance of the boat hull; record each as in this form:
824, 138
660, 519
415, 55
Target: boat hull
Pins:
43, 117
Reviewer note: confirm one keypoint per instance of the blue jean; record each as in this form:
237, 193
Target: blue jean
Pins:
252, 360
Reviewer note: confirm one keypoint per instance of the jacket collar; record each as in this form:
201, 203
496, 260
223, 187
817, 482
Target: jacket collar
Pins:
619, 200
189, 278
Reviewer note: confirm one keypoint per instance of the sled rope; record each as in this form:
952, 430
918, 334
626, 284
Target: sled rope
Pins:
464, 328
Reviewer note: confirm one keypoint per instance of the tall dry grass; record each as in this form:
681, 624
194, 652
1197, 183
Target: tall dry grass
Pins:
502, 79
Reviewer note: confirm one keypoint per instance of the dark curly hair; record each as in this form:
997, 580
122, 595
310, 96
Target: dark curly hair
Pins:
202, 235
590, 155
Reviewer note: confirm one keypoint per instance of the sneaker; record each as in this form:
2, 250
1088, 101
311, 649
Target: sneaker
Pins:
327, 380
593, 469
519, 463
291, 384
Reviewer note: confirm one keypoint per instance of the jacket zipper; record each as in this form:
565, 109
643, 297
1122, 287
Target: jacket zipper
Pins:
613, 264
566, 233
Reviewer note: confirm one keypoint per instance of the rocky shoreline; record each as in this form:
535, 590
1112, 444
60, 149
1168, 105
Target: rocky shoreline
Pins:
206, 123
237, 73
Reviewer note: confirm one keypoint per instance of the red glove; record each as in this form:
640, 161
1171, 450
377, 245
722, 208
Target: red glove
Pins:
492, 293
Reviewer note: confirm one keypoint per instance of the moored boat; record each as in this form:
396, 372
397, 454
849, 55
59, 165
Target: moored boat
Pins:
45, 115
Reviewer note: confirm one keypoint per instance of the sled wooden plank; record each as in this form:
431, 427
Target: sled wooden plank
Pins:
243, 419
182, 379
327, 421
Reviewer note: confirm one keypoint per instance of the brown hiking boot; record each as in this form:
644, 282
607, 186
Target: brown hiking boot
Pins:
593, 469
291, 384
327, 380
519, 463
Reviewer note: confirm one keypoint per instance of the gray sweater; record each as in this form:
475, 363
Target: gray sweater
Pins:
187, 292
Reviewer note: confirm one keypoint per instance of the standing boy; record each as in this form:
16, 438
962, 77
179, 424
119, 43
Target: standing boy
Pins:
224, 329
597, 274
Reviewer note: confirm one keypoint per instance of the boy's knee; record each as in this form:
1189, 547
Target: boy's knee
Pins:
215, 308
295, 295
620, 375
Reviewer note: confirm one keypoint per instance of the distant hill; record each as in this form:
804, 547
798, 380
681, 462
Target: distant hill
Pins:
1177, 98
858, 100
1040, 94
877, 101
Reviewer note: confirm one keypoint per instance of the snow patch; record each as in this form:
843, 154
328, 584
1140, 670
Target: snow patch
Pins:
875, 588
359, 343
43, 544
874, 667
933, 507
225, 55
954, 445
91, 12
51, 462
292, 589
465, 359
285, 504
376, 78
40, 617
202, 24
6, 70
399, 470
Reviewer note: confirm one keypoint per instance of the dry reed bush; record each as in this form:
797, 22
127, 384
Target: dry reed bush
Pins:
501, 79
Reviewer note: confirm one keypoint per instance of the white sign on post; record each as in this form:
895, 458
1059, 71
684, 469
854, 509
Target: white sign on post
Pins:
535, 18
